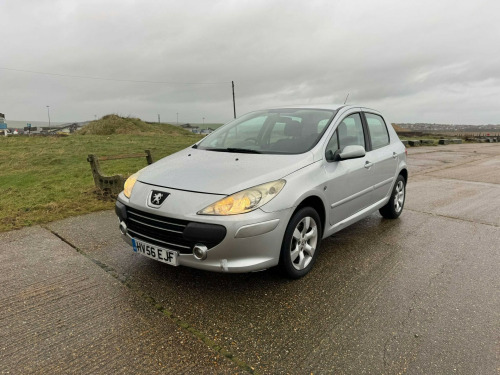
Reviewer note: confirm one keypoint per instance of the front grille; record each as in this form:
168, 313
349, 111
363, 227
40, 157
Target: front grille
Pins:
162, 231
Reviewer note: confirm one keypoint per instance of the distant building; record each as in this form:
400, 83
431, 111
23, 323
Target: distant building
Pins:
192, 128
206, 131
3, 125
69, 129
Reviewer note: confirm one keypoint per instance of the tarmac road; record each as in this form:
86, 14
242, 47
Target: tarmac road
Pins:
418, 295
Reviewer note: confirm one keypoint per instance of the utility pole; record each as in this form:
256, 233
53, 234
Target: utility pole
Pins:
158, 118
48, 114
177, 118
203, 122
234, 102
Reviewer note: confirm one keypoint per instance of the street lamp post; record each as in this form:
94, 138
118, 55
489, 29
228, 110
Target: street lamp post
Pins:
48, 114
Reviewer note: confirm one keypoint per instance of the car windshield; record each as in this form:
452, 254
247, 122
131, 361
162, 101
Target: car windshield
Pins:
277, 131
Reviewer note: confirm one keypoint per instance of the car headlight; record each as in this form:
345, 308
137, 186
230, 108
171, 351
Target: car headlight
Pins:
129, 184
245, 201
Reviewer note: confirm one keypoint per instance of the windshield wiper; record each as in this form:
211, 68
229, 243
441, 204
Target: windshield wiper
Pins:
235, 149
243, 150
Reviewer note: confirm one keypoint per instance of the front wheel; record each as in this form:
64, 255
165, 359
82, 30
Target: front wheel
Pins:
394, 207
301, 243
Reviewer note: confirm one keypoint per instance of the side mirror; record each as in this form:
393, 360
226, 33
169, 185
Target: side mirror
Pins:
352, 152
349, 152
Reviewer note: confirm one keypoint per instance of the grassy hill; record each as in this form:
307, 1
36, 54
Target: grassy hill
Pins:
114, 124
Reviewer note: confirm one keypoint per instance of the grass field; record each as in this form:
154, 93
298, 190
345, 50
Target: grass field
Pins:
48, 178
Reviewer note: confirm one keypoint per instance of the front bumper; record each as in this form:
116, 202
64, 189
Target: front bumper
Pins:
252, 241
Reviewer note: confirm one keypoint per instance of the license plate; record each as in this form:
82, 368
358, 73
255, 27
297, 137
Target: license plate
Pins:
154, 252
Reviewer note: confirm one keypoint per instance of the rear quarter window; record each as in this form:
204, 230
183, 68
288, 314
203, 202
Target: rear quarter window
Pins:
378, 130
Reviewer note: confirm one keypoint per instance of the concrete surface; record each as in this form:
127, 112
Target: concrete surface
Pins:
417, 295
62, 314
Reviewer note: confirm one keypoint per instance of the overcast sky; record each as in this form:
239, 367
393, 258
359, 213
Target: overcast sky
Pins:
416, 61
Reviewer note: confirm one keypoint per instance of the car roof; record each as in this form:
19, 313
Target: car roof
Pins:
331, 107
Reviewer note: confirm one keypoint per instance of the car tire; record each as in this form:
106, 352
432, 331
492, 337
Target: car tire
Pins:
301, 242
394, 207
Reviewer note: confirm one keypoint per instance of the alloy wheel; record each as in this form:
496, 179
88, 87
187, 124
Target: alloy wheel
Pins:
399, 196
304, 242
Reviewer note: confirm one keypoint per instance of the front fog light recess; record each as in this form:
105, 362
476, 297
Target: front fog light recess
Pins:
200, 251
123, 228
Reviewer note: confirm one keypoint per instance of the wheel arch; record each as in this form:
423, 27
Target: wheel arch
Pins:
404, 172
317, 203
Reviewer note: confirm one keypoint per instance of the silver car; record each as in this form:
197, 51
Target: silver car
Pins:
264, 189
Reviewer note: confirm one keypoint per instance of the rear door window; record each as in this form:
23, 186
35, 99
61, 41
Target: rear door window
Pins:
378, 130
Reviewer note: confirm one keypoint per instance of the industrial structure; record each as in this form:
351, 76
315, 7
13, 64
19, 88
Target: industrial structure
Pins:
3, 125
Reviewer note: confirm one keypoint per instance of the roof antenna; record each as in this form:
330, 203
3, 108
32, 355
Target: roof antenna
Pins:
345, 101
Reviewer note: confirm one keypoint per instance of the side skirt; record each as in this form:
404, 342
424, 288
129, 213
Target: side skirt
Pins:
356, 217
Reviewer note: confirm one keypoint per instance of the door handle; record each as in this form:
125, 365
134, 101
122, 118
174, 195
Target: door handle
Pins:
368, 165
394, 155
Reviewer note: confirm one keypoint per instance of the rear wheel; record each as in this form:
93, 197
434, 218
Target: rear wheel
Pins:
394, 207
301, 243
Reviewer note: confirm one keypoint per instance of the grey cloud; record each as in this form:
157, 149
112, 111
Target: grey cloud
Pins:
416, 61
